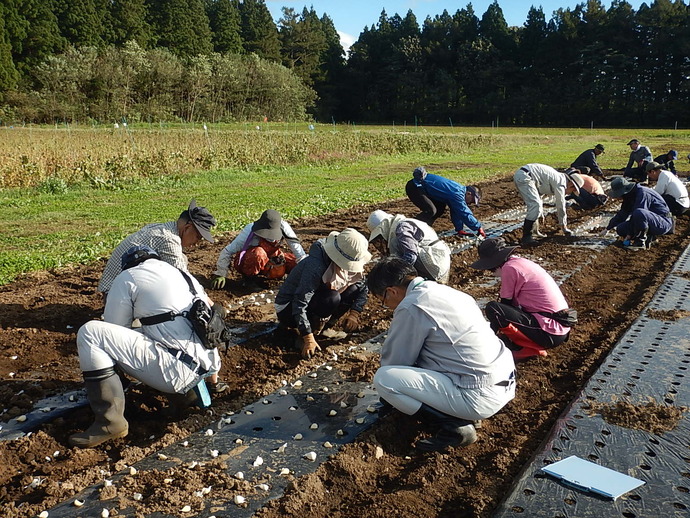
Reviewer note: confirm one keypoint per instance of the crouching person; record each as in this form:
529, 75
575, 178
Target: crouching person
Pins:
326, 286
531, 302
167, 356
441, 362
413, 241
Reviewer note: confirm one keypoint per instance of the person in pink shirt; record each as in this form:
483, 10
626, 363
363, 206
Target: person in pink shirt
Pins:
529, 297
591, 194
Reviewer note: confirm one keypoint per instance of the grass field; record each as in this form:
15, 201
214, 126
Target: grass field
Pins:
70, 194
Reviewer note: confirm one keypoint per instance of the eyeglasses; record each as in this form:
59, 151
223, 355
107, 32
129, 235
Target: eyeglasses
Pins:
382, 297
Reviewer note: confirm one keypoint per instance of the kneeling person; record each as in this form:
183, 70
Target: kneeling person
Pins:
167, 356
441, 362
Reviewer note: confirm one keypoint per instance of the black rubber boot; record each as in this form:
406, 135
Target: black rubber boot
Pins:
453, 431
527, 238
107, 400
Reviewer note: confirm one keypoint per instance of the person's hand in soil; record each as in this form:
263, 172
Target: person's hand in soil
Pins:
309, 346
567, 231
350, 321
604, 232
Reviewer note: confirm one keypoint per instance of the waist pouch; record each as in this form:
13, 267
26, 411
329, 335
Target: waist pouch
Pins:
207, 322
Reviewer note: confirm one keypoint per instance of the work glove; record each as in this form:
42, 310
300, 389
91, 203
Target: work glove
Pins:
481, 232
309, 346
350, 321
567, 231
218, 283
465, 233
604, 232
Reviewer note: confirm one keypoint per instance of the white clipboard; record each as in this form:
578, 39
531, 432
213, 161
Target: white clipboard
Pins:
587, 476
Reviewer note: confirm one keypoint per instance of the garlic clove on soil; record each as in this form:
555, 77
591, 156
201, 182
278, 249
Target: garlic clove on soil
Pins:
239, 499
310, 456
313, 426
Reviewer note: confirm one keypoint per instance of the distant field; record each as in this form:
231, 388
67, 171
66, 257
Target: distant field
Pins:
69, 194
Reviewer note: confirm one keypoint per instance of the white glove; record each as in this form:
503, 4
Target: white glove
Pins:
604, 232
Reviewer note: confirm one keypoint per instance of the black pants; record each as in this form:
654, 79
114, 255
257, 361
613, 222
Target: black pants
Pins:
636, 173
676, 208
430, 208
324, 304
587, 200
500, 315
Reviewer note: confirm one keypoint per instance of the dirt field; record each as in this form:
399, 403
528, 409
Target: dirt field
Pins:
41, 313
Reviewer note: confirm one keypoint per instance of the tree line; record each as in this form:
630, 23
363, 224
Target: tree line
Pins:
216, 60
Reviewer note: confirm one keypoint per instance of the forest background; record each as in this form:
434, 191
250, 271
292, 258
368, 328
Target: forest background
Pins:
106, 61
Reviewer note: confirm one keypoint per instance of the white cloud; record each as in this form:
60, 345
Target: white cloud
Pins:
346, 41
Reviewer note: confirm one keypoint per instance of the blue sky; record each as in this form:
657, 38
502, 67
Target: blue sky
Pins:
351, 16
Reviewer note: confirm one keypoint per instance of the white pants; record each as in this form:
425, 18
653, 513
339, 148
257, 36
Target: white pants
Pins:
103, 345
406, 388
527, 188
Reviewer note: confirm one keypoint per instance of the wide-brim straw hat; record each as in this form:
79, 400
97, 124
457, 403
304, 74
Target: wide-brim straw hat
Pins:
493, 252
348, 249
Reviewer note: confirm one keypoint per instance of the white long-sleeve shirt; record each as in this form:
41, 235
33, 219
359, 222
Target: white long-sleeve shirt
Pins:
151, 288
438, 328
670, 184
535, 180
238, 243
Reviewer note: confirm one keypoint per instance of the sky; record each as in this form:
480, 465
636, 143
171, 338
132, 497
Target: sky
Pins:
351, 16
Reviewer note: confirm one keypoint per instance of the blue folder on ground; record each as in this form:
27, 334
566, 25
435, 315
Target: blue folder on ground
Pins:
587, 476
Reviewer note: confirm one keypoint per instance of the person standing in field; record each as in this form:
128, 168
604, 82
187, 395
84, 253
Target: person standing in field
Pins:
167, 239
432, 194
532, 182
257, 250
588, 159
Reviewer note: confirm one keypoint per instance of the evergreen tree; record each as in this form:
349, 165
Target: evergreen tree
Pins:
331, 79
303, 44
181, 26
81, 22
8, 72
258, 30
40, 36
224, 18
128, 22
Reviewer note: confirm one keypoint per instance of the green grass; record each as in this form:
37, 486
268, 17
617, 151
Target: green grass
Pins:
58, 224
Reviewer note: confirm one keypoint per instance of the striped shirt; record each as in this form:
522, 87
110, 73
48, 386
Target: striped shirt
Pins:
162, 237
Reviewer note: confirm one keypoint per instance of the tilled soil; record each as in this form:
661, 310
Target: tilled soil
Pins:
41, 313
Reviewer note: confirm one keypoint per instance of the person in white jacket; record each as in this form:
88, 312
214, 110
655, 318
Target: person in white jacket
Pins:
671, 188
413, 241
165, 354
532, 182
257, 250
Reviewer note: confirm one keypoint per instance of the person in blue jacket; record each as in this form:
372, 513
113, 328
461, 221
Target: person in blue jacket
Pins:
643, 214
432, 194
